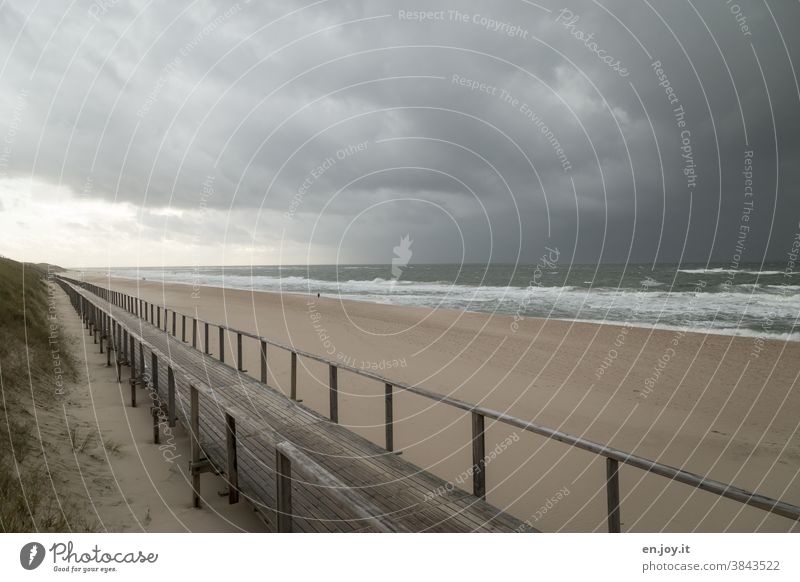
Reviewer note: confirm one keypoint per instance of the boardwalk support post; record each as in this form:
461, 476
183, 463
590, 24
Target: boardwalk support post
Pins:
478, 456
283, 483
263, 362
293, 389
171, 412
233, 465
389, 418
110, 341
612, 493
132, 380
333, 375
195, 442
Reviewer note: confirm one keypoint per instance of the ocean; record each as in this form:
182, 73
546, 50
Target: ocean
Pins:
753, 300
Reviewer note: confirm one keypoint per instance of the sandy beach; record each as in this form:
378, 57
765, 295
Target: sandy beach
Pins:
108, 467
715, 405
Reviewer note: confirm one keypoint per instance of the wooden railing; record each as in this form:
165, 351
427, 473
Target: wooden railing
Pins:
102, 325
152, 313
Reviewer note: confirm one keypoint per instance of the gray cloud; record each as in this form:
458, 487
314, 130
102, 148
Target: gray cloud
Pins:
140, 103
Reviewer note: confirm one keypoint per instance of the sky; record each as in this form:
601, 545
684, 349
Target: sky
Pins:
284, 132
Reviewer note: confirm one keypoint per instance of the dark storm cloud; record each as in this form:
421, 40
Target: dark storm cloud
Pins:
497, 125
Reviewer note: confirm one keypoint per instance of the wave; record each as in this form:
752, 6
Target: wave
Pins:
733, 308
721, 270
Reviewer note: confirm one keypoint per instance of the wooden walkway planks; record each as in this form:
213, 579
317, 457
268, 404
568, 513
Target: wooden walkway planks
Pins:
397, 488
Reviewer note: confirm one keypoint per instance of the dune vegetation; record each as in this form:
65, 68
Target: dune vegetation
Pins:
33, 372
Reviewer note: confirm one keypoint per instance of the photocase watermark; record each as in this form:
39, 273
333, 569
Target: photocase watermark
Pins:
738, 15
53, 338
548, 505
462, 477
100, 8
319, 170
679, 115
524, 108
322, 334
402, 257
94, 560
168, 449
792, 255
345, 359
14, 123
569, 20
374, 366
490, 24
549, 260
168, 70
31, 555
207, 192
743, 232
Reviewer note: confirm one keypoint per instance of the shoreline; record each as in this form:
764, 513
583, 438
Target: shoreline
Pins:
713, 408
743, 332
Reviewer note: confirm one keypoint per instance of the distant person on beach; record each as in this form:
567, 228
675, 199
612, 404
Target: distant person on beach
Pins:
317, 295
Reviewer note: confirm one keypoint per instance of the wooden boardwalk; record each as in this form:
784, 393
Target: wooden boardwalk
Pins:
300, 470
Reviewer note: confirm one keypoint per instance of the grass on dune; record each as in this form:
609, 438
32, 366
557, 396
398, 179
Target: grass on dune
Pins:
28, 380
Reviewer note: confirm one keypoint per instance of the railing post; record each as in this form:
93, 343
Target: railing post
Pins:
118, 351
152, 319
612, 493
132, 380
205, 342
333, 375
283, 483
171, 411
263, 362
478, 456
293, 384
221, 344
141, 359
110, 341
154, 373
195, 443
389, 417
158, 316
174, 321
233, 465
239, 352
183, 328
194, 332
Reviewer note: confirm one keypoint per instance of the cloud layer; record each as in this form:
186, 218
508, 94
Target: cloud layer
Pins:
325, 131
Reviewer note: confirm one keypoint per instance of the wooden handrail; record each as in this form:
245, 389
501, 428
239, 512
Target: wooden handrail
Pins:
318, 475
478, 412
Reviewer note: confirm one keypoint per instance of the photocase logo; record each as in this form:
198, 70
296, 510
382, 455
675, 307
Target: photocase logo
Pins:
402, 256
31, 555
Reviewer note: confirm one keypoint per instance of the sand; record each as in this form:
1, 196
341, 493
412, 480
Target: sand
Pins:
114, 474
726, 407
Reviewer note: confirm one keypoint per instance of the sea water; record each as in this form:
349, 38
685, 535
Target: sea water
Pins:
755, 300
